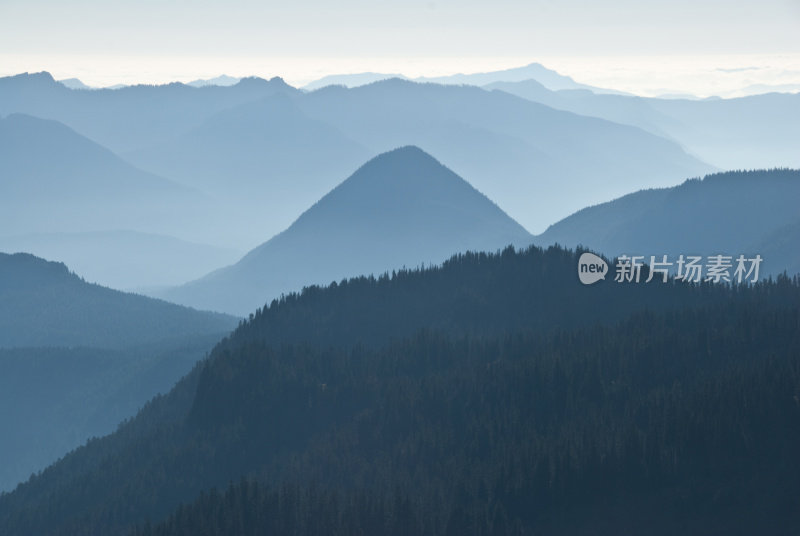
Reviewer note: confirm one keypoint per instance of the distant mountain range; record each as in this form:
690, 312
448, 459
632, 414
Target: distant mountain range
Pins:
759, 131
131, 117
222, 80
538, 163
65, 197
520, 154
402, 208
536, 71
250, 157
76, 359
733, 213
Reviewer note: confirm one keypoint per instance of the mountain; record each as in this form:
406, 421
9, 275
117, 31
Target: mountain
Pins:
534, 71
57, 180
130, 117
125, 260
222, 80
538, 163
401, 208
76, 359
44, 304
74, 83
349, 80
492, 395
266, 158
733, 213
758, 131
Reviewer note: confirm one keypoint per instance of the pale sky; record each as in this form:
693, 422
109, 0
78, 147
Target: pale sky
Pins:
630, 43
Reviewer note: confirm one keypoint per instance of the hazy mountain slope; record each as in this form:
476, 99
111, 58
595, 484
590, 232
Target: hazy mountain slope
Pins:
754, 212
57, 180
592, 412
125, 260
547, 77
534, 71
265, 158
538, 163
43, 304
52, 399
401, 208
128, 118
76, 359
624, 109
759, 131
349, 80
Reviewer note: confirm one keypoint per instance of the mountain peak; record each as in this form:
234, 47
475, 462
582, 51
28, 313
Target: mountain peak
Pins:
401, 208
34, 80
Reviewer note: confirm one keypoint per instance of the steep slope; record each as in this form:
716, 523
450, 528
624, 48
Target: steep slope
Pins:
57, 180
508, 413
44, 304
753, 212
401, 208
538, 163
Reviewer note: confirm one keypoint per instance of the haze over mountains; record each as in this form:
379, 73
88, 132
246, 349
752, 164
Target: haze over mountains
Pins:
508, 148
534, 71
55, 179
733, 213
491, 394
759, 131
520, 154
337, 390
124, 259
402, 208
76, 359
265, 157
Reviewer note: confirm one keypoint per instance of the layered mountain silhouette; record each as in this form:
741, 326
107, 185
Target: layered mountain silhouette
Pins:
54, 179
538, 163
475, 397
221, 80
131, 117
76, 359
758, 131
44, 304
534, 71
265, 157
402, 208
733, 213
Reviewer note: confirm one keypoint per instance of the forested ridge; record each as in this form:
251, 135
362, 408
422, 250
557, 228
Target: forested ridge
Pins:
662, 409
